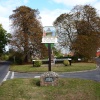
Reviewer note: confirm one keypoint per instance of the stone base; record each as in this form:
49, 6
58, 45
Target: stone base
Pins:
49, 79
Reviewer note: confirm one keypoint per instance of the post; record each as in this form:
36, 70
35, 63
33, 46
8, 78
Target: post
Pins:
70, 60
49, 53
14, 59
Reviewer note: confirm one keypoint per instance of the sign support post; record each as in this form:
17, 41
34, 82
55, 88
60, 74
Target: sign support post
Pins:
49, 37
49, 53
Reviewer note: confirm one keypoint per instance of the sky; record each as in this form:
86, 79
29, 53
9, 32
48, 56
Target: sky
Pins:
49, 9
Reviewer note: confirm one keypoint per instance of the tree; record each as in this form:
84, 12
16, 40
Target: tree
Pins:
88, 30
3, 39
79, 30
57, 52
65, 30
27, 32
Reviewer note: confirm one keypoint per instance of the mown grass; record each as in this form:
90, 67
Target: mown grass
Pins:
56, 67
68, 89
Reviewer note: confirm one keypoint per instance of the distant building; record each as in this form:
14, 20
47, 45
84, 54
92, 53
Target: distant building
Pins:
69, 54
98, 52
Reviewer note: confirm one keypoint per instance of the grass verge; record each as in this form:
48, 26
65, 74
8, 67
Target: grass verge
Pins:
68, 89
56, 68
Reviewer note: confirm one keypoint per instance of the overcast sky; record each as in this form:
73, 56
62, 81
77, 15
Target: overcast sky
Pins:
49, 9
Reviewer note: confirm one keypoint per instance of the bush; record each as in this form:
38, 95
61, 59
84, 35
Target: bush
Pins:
37, 63
16, 60
4, 57
66, 62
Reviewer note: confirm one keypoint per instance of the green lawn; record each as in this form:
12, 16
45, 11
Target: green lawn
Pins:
68, 89
55, 68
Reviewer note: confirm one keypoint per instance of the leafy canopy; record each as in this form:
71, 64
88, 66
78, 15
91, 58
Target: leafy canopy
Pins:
3, 39
27, 32
79, 30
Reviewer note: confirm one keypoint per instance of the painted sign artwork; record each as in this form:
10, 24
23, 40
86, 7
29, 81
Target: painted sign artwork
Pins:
49, 35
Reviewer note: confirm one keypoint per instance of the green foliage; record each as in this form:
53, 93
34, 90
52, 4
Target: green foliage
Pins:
37, 63
57, 52
66, 62
16, 60
4, 57
3, 39
15, 57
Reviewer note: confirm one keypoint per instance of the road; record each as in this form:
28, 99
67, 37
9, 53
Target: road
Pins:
90, 75
5, 74
4, 68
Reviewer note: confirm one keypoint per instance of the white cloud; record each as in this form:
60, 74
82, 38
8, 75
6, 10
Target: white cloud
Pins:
48, 16
6, 8
2, 10
75, 2
5, 23
97, 6
26, 1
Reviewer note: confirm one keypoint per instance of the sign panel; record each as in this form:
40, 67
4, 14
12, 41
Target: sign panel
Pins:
49, 35
49, 79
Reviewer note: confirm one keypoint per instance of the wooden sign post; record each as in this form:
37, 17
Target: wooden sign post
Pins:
49, 37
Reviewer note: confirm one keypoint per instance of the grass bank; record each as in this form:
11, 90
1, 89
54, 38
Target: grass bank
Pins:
68, 89
56, 67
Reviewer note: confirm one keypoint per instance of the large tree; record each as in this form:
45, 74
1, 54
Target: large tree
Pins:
65, 30
3, 39
80, 30
87, 24
27, 32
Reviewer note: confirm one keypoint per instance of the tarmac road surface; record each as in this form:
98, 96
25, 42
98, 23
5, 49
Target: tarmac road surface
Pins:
5, 74
4, 68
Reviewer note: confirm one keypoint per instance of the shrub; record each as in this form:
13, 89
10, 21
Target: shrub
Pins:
37, 63
16, 60
66, 62
4, 57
